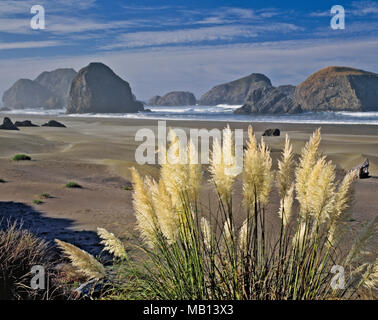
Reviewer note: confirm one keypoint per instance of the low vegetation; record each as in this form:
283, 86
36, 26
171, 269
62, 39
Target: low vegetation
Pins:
45, 195
73, 184
193, 252
21, 157
38, 202
19, 252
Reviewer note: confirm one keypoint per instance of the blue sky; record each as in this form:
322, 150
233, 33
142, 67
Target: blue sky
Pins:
163, 45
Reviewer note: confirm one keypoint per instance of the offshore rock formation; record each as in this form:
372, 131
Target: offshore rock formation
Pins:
26, 94
235, 92
58, 82
175, 98
97, 89
339, 88
49, 91
268, 100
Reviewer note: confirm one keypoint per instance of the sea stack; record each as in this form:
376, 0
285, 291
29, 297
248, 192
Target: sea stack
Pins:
235, 92
58, 82
175, 98
339, 89
48, 91
268, 100
97, 89
28, 94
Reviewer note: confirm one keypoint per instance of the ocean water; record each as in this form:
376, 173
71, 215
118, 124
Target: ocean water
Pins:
221, 113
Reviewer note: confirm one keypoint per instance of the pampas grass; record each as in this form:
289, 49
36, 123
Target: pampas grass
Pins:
83, 261
189, 256
111, 243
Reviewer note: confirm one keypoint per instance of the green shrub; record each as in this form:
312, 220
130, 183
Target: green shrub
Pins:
45, 195
21, 157
38, 202
73, 184
128, 188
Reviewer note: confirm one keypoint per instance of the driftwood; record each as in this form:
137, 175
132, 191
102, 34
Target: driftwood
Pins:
362, 171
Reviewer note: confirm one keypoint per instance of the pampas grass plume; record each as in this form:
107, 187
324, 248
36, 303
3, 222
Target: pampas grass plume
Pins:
111, 243
83, 261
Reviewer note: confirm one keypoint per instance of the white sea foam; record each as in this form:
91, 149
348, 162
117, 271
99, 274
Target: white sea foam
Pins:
221, 113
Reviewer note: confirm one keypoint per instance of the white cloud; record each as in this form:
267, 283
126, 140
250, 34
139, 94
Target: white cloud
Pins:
29, 44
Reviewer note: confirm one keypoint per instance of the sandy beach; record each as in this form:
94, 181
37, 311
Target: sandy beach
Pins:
98, 152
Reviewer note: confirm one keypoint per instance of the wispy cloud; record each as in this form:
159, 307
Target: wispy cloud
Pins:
191, 36
29, 44
363, 8
150, 8
18, 26
355, 9
143, 39
22, 7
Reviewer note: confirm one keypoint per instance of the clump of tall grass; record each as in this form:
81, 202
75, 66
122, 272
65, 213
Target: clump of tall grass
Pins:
194, 258
19, 252
194, 254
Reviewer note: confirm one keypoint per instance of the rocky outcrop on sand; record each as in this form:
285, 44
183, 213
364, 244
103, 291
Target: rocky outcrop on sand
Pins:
339, 88
268, 100
8, 125
272, 133
175, 98
25, 123
235, 92
97, 89
49, 91
54, 124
